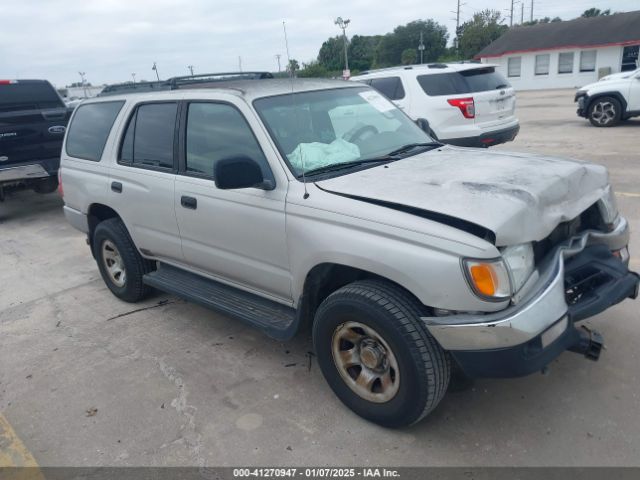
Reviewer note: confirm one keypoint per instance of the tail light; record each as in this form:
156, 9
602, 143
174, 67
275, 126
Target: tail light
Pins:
7, 82
466, 106
60, 189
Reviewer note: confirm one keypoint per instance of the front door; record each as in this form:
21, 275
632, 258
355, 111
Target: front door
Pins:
237, 236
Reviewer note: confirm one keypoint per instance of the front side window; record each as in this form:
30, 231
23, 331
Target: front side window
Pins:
90, 129
630, 58
339, 126
513, 66
217, 131
148, 141
588, 61
565, 62
390, 87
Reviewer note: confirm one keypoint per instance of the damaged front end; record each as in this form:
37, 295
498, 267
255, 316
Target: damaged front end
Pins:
579, 276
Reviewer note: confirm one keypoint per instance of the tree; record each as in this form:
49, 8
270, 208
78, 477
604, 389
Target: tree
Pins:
542, 20
390, 48
480, 31
331, 55
293, 66
409, 56
595, 12
362, 50
313, 69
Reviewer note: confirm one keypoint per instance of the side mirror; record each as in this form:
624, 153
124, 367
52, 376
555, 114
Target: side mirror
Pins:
424, 125
240, 172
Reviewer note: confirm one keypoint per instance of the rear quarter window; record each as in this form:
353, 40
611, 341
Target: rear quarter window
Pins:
466, 81
90, 129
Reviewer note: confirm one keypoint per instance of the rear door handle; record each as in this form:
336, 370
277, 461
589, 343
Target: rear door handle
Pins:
189, 202
116, 187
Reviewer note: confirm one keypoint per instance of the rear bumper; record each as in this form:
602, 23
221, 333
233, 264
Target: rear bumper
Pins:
486, 139
580, 279
32, 170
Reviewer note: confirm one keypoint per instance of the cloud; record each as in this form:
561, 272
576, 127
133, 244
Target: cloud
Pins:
110, 39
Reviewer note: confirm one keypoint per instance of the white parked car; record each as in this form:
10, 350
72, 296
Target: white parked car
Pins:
614, 98
464, 104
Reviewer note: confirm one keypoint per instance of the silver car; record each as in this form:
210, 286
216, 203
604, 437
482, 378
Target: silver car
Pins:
308, 204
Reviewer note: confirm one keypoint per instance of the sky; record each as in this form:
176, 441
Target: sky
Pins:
111, 39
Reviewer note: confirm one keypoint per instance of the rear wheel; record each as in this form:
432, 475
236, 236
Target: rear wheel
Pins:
377, 355
48, 185
605, 112
120, 264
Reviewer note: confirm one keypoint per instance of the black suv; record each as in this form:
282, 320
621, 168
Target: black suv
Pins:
33, 120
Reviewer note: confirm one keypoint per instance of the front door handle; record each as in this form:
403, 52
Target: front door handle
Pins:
116, 187
189, 202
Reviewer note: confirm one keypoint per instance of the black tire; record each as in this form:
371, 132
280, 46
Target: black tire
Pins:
48, 185
113, 231
605, 112
424, 367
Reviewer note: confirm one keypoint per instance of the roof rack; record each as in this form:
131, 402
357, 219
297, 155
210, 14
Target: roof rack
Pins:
175, 83
131, 87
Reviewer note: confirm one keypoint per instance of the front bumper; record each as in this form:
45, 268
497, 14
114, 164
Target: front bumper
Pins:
487, 139
579, 279
583, 100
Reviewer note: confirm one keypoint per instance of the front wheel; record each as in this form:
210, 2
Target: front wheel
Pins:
377, 355
605, 112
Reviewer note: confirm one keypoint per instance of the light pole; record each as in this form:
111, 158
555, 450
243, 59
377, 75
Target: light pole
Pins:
84, 88
133, 75
343, 24
155, 69
421, 48
278, 58
190, 67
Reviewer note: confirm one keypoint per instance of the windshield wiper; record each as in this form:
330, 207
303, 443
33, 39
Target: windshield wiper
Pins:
342, 166
410, 146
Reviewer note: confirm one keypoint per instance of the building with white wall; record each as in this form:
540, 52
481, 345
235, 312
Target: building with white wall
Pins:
566, 54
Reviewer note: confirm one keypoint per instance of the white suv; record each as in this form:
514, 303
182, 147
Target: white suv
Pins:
614, 98
467, 104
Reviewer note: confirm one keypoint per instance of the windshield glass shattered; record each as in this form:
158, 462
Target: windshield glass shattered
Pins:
338, 127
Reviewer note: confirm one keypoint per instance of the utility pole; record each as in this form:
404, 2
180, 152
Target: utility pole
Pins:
239, 63
343, 24
521, 13
155, 69
532, 10
511, 15
421, 48
278, 58
190, 67
456, 43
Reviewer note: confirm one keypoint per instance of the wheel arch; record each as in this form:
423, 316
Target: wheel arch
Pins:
324, 279
96, 213
615, 94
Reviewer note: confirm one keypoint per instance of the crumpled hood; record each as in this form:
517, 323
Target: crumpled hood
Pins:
519, 197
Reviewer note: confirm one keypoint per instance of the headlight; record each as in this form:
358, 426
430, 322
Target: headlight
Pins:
498, 279
489, 279
521, 263
608, 206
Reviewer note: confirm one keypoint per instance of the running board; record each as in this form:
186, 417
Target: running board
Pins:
274, 319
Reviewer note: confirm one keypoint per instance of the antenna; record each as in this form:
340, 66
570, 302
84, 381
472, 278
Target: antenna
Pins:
286, 44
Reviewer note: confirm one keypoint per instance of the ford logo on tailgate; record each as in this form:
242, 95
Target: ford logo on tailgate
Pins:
57, 129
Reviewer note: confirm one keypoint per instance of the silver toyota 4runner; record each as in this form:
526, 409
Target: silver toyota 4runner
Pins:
319, 205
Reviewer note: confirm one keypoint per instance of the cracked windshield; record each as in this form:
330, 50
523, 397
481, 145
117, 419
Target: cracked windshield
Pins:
324, 128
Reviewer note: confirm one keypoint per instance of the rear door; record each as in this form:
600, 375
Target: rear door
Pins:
142, 182
493, 96
33, 120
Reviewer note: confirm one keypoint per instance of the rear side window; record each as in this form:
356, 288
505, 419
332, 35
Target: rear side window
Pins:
467, 81
390, 87
148, 141
28, 95
90, 129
